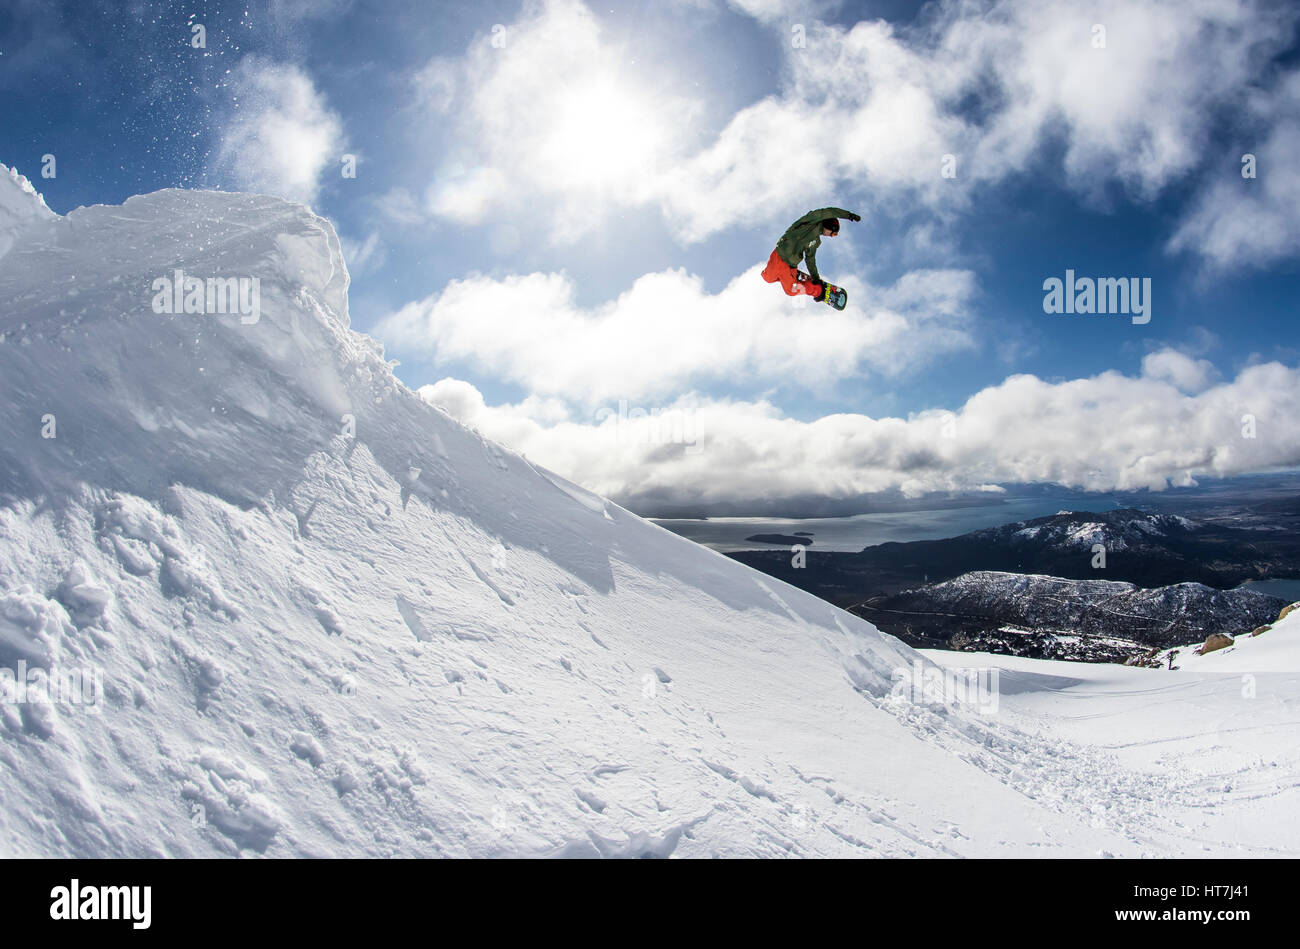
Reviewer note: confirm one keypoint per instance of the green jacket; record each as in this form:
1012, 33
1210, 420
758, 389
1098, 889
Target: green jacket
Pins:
802, 238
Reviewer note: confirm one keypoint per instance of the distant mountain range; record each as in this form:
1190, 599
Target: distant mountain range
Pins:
1172, 574
1146, 549
1056, 618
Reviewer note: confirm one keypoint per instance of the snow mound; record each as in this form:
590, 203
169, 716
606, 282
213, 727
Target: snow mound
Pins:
20, 206
313, 616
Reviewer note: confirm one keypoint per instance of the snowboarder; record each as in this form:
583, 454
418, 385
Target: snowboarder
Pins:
799, 242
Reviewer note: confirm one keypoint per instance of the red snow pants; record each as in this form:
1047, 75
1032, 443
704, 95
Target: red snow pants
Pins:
778, 271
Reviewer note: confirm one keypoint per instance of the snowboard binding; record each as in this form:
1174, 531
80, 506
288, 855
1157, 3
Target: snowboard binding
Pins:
835, 296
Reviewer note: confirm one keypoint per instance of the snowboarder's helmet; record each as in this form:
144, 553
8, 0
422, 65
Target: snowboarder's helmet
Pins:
832, 224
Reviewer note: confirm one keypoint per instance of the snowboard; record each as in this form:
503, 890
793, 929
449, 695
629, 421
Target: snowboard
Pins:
835, 296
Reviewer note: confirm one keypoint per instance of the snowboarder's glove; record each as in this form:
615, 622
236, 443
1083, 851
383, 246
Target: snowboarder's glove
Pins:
855, 217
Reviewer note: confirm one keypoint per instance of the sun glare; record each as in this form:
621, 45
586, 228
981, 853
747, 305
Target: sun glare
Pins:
603, 137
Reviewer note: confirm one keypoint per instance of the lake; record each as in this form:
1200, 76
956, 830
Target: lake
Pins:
865, 530
1288, 590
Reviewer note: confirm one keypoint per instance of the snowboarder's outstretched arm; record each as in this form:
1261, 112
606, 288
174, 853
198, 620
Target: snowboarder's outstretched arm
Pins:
800, 240
811, 220
822, 214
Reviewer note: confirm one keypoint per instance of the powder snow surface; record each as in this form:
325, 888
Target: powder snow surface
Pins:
330, 621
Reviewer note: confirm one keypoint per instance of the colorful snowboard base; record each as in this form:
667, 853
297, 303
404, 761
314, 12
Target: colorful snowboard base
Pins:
835, 296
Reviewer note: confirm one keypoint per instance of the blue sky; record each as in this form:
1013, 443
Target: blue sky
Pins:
561, 207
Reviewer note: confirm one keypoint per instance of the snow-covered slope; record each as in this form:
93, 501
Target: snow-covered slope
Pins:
331, 621
1273, 647
1210, 744
20, 205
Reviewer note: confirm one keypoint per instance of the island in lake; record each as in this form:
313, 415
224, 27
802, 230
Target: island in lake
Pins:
804, 538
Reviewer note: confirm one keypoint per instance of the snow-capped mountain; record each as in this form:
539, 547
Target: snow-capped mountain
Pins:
1058, 618
1150, 550
1118, 530
300, 612
1144, 548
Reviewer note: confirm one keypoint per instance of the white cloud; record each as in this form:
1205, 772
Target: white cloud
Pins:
1106, 432
784, 11
990, 84
869, 109
1179, 370
547, 110
468, 195
859, 109
1253, 222
458, 398
666, 335
363, 255
1137, 110
282, 135
399, 206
